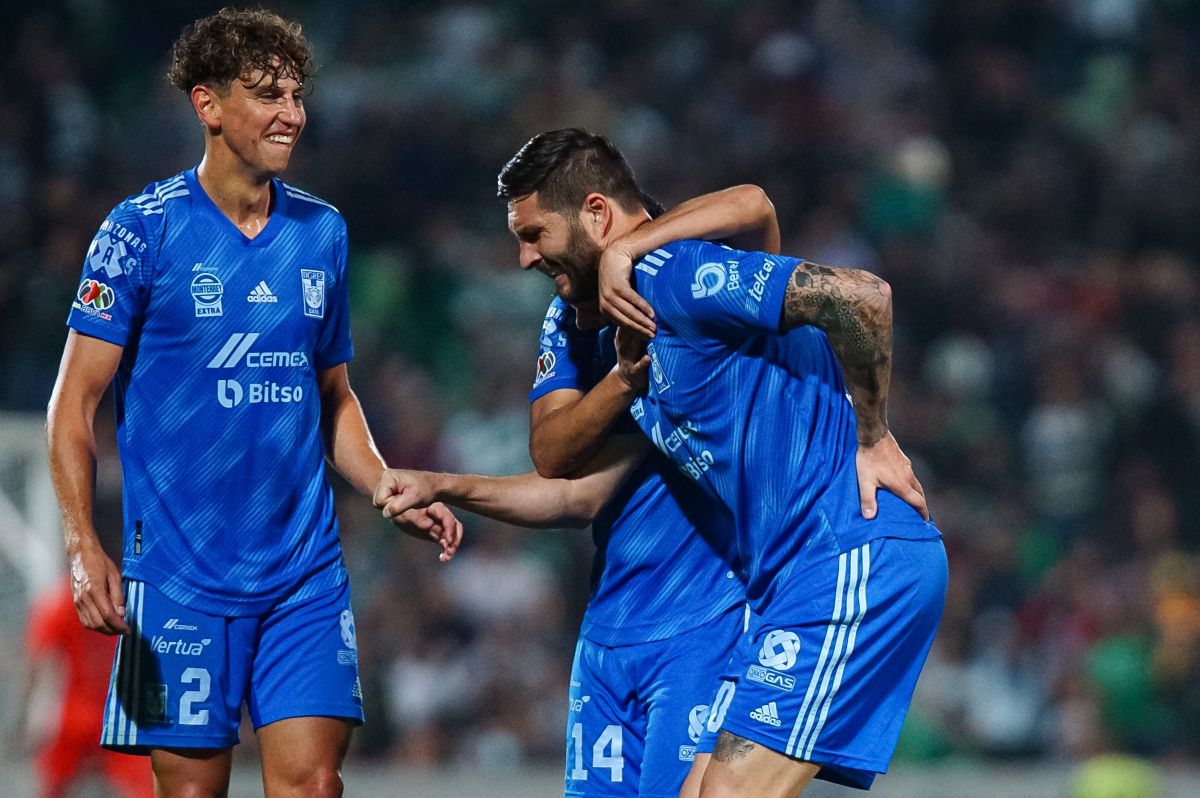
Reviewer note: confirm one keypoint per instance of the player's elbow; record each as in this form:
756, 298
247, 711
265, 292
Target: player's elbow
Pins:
581, 506
883, 297
754, 199
547, 461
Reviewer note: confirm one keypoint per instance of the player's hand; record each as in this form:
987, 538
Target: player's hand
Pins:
400, 489
633, 364
883, 465
618, 300
435, 523
406, 498
96, 588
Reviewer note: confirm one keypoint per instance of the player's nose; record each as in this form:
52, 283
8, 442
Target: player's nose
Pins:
529, 257
291, 114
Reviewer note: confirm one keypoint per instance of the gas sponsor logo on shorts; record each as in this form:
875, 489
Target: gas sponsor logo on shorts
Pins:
779, 649
768, 713
347, 657
780, 681
687, 753
185, 648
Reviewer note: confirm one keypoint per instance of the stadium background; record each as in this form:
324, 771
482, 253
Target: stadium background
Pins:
1024, 173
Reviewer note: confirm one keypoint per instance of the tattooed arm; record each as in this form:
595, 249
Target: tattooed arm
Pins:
854, 308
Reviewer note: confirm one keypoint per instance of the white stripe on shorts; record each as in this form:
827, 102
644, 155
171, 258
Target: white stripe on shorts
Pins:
838, 646
137, 663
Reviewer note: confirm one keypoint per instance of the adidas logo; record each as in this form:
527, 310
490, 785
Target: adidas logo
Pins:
261, 293
767, 714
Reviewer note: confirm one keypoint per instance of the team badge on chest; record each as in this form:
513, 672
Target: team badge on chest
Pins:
312, 283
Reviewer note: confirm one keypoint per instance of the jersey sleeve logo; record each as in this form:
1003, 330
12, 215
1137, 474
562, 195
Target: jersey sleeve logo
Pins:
94, 297
110, 256
312, 284
708, 280
545, 368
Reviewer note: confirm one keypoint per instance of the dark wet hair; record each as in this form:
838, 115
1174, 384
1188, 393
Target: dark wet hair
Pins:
233, 43
564, 166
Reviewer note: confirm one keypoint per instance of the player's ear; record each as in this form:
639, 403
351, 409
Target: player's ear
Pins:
208, 107
596, 214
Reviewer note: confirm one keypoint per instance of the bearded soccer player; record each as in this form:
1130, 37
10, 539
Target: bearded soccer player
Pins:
768, 388
217, 299
666, 606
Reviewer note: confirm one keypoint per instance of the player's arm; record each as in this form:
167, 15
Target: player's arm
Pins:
743, 216
854, 308
87, 367
527, 500
352, 451
348, 442
567, 427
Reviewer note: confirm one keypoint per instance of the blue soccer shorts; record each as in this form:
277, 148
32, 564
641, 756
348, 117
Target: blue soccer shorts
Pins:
181, 676
828, 670
637, 712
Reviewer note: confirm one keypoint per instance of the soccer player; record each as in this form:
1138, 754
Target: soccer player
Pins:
768, 388
218, 300
665, 607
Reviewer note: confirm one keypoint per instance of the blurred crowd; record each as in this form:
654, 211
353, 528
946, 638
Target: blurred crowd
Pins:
1025, 173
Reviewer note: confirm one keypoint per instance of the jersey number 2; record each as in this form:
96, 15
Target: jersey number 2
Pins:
187, 716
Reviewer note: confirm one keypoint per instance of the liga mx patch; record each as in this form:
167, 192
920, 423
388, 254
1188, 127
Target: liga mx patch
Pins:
545, 368
312, 284
94, 297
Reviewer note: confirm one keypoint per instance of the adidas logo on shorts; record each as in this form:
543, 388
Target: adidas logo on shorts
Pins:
767, 714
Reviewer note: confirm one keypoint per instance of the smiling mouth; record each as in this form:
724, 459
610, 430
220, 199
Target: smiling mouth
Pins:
281, 138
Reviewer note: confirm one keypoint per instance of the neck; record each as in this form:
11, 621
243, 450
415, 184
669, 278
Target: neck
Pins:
244, 198
588, 315
625, 223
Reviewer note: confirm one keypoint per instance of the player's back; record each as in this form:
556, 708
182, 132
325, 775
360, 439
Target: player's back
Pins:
758, 419
218, 406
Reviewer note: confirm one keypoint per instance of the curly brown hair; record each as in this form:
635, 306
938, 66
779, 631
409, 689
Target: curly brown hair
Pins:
235, 43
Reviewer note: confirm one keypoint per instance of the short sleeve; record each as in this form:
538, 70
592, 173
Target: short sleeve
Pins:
718, 291
566, 354
113, 291
334, 345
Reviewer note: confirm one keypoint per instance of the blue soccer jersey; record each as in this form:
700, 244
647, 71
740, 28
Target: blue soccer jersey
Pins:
226, 504
759, 420
662, 546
